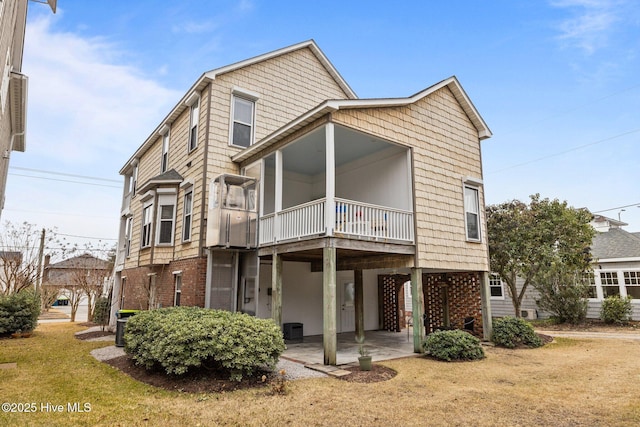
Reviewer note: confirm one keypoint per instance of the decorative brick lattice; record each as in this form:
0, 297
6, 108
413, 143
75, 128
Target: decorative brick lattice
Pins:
390, 309
452, 295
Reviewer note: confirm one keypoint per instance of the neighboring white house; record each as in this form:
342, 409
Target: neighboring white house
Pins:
616, 255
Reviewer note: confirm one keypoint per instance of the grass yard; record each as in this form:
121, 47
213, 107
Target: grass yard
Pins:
566, 383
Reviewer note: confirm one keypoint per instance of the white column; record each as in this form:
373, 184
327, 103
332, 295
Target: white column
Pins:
330, 179
278, 196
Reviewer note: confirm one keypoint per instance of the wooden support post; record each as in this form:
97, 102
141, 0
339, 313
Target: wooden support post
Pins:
329, 296
485, 293
359, 305
276, 289
417, 306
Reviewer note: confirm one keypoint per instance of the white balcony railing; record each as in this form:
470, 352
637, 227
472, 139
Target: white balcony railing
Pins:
353, 219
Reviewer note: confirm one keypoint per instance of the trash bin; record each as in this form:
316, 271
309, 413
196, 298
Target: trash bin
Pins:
121, 323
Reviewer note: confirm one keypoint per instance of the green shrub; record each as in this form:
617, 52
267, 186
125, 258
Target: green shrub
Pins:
181, 338
453, 345
616, 310
510, 332
19, 312
101, 311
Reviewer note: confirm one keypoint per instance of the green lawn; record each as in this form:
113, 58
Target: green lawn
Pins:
567, 383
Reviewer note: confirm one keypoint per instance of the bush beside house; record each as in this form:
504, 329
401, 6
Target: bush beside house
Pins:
511, 332
616, 310
178, 339
453, 345
19, 312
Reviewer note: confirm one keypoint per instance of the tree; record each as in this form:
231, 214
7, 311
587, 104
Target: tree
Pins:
524, 240
563, 293
20, 257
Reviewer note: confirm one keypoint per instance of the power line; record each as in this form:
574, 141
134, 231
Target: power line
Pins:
65, 180
83, 237
64, 174
560, 153
619, 207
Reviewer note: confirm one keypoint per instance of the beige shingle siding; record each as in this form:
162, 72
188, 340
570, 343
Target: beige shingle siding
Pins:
446, 149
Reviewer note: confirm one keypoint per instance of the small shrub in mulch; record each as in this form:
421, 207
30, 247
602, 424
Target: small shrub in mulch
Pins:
513, 332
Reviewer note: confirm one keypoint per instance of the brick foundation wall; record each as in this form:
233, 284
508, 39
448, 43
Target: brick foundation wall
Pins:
137, 284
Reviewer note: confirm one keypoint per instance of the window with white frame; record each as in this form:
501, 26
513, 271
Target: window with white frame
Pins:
166, 219
609, 283
164, 159
146, 226
242, 121
590, 279
472, 212
496, 287
632, 283
133, 180
123, 283
186, 220
127, 237
193, 124
4, 86
177, 288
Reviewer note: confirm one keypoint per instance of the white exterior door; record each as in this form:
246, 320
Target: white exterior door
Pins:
347, 307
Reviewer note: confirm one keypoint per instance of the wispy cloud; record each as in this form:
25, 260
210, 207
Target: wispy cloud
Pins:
590, 23
191, 27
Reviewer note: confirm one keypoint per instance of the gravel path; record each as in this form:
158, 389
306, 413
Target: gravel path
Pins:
293, 370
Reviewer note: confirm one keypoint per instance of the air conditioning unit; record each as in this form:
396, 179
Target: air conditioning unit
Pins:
529, 313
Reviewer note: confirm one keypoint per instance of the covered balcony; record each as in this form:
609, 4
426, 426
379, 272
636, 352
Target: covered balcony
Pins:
335, 182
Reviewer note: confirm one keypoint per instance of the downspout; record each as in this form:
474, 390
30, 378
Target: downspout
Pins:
203, 204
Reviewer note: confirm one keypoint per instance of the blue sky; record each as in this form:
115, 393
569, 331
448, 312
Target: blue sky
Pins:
557, 81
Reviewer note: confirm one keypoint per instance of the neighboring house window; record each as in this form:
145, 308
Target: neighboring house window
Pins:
472, 213
242, 121
186, 221
632, 283
165, 222
193, 125
609, 282
164, 159
127, 237
590, 279
496, 287
178, 289
146, 226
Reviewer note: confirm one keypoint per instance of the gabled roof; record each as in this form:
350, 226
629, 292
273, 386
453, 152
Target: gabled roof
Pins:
208, 76
333, 105
615, 244
84, 261
170, 177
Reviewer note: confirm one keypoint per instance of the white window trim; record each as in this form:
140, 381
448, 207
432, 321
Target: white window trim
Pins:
177, 275
246, 95
473, 184
193, 102
496, 275
166, 200
184, 215
128, 231
148, 205
164, 150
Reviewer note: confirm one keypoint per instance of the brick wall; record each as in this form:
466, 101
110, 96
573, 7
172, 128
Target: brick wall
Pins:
137, 284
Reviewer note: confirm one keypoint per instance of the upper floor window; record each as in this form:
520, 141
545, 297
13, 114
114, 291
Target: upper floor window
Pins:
193, 124
164, 157
127, 237
186, 221
134, 180
166, 219
146, 226
472, 212
242, 121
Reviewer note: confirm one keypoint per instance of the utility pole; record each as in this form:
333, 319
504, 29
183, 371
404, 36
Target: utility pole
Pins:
40, 258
